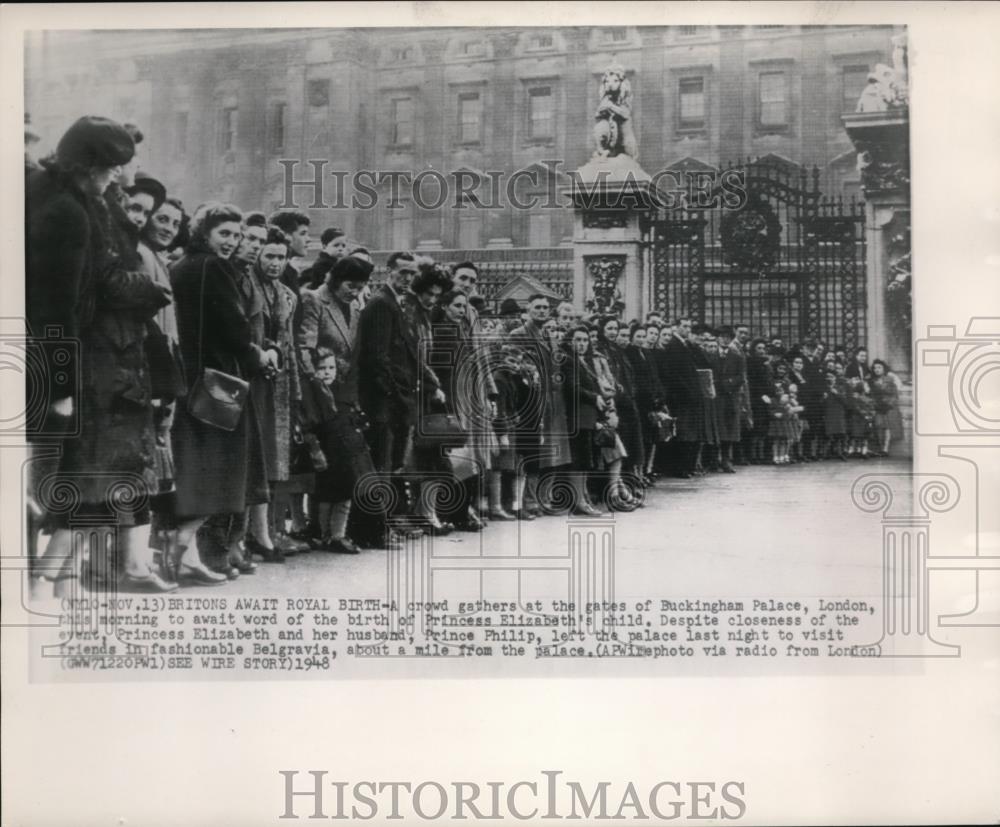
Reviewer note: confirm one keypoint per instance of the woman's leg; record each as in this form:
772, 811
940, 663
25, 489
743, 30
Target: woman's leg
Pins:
186, 546
260, 528
339, 514
497, 511
138, 560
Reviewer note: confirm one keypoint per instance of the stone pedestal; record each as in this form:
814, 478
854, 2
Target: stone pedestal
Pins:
609, 196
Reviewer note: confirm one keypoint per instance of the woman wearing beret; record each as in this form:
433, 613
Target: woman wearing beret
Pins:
81, 278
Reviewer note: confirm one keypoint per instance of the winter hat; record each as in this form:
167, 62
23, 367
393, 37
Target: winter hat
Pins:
95, 142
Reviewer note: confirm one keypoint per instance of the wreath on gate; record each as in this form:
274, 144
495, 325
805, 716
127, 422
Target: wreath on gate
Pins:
751, 237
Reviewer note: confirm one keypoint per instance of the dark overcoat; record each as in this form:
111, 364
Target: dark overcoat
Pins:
388, 368
732, 392
83, 276
217, 471
679, 377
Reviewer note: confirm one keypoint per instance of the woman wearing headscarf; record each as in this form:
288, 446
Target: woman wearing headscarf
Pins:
82, 279
219, 472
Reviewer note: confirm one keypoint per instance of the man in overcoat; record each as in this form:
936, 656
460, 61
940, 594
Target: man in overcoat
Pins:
683, 392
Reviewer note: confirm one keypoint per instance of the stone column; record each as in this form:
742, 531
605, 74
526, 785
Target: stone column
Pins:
610, 195
906, 537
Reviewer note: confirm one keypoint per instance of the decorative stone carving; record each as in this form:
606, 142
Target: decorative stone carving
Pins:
613, 130
882, 142
604, 220
887, 87
605, 295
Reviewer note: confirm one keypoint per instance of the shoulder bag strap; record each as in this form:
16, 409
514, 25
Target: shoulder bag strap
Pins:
201, 319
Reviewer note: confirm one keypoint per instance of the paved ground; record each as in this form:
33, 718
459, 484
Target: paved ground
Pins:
765, 531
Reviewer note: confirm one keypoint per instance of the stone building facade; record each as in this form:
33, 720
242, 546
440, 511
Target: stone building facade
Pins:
221, 108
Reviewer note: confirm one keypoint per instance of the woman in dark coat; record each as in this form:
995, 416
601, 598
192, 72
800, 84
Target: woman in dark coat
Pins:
629, 420
648, 394
218, 472
760, 383
584, 404
80, 277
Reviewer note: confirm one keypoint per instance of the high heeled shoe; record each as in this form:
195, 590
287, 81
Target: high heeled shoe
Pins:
268, 555
199, 575
243, 563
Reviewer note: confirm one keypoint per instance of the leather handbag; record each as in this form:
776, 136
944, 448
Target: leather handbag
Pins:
440, 430
216, 398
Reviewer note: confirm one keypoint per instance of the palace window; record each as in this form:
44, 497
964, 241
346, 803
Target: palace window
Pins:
852, 84
278, 115
773, 99
402, 121
541, 113
691, 109
470, 118
227, 130
540, 41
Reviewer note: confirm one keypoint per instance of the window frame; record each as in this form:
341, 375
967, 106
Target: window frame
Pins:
774, 126
394, 121
532, 93
277, 126
229, 128
688, 125
462, 98
864, 69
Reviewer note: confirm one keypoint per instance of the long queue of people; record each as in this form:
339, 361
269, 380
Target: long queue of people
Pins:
264, 405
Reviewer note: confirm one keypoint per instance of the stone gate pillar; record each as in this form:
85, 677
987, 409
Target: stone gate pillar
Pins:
610, 195
880, 131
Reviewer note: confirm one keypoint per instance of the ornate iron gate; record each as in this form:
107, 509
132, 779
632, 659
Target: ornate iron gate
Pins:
789, 262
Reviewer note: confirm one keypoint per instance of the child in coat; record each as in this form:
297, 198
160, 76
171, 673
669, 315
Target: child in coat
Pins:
835, 412
860, 415
341, 438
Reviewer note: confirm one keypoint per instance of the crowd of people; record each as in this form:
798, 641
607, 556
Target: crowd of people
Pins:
264, 404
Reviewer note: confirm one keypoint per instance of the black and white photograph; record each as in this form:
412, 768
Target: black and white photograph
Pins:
382, 350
